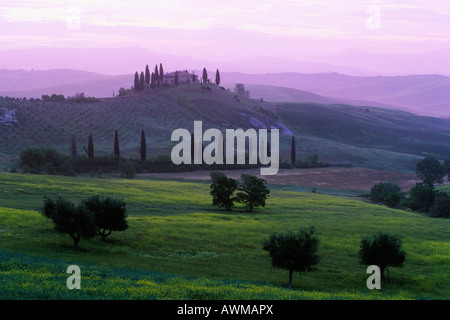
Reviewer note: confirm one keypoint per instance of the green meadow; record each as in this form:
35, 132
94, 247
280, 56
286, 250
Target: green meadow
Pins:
178, 246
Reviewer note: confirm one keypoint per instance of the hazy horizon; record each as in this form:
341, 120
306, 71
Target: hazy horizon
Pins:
352, 37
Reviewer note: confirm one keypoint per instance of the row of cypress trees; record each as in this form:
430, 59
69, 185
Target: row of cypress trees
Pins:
148, 79
90, 149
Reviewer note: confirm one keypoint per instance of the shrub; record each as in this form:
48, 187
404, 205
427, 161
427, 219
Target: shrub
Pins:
311, 161
33, 158
388, 193
128, 170
441, 206
394, 199
37, 159
447, 168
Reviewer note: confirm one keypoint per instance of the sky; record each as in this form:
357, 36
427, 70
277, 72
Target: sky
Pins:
231, 29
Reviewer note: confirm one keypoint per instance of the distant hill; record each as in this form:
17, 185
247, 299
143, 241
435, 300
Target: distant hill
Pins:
34, 84
428, 62
422, 94
108, 61
283, 94
341, 134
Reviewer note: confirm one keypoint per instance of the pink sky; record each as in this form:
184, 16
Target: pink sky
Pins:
231, 29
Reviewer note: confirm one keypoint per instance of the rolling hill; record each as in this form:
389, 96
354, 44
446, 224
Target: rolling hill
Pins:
427, 95
422, 94
340, 134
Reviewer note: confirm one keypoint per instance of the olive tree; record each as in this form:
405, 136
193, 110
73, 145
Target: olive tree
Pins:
75, 220
110, 214
383, 250
252, 191
222, 190
293, 251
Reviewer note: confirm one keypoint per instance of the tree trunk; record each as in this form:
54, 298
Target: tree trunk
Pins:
383, 280
76, 240
290, 278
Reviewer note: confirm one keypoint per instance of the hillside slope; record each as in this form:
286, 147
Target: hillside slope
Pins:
379, 138
423, 94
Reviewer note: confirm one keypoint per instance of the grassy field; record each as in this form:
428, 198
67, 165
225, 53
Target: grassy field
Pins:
180, 247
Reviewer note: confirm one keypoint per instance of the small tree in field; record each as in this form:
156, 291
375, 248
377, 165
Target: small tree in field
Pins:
110, 214
252, 192
222, 190
383, 250
293, 251
76, 221
430, 171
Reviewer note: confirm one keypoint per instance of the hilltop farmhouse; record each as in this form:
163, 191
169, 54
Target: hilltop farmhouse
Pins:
183, 77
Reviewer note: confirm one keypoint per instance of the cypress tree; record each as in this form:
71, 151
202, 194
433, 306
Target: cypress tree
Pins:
161, 73
293, 151
205, 76
142, 81
73, 152
156, 72
143, 149
90, 149
176, 78
192, 148
217, 77
147, 76
116, 145
136, 82
156, 76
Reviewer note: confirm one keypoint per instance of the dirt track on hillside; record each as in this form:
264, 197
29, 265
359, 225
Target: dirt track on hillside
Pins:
354, 179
